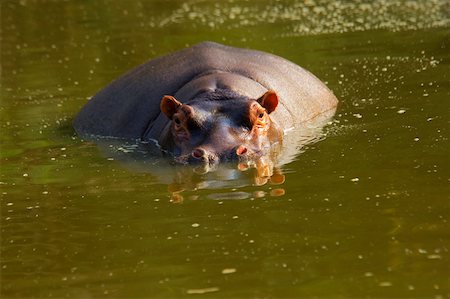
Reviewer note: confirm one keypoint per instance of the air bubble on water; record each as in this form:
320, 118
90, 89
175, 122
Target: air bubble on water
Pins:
434, 257
202, 291
228, 270
385, 284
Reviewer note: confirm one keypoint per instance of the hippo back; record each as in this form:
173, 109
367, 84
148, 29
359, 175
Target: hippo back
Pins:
129, 105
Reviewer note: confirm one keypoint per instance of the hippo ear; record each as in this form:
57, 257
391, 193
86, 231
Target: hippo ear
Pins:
169, 105
269, 101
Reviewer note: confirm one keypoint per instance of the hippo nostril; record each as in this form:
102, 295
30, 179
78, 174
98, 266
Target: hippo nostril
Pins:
241, 150
199, 153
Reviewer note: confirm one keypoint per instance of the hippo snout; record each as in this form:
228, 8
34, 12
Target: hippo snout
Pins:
203, 155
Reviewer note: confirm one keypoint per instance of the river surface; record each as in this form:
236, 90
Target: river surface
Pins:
358, 209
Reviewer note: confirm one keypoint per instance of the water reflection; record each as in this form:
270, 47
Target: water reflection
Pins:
186, 182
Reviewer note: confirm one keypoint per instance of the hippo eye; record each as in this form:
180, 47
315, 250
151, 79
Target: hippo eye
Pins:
261, 115
177, 121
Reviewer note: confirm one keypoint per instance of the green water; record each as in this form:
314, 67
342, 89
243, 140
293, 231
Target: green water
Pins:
363, 212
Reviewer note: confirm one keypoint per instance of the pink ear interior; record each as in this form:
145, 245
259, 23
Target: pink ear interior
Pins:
269, 101
169, 105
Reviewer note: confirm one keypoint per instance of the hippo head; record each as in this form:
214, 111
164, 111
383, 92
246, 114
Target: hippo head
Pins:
221, 125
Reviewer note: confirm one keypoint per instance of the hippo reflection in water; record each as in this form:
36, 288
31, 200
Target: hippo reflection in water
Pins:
208, 103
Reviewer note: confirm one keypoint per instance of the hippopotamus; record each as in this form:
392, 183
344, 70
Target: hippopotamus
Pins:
207, 103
